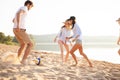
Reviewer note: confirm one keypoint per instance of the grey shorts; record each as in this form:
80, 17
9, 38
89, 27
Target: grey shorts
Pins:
78, 41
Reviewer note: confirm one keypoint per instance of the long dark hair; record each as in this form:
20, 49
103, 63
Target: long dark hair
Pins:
63, 26
73, 23
28, 2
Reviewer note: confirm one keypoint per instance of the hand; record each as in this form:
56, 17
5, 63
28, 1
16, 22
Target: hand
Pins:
55, 40
74, 40
13, 20
118, 43
67, 38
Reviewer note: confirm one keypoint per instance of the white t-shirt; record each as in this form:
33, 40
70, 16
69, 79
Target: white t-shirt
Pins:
22, 18
63, 34
77, 31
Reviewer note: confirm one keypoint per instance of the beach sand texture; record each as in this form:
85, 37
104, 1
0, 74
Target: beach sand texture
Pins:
51, 67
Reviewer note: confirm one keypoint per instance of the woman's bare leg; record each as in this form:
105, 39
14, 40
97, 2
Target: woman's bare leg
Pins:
74, 48
61, 49
84, 55
67, 50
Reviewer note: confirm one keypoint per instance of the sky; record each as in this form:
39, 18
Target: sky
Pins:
95, 17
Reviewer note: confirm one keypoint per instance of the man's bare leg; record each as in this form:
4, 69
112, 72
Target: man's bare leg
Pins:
22, 46
27, 51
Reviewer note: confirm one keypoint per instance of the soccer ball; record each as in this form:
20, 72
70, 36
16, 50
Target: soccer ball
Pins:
37, 61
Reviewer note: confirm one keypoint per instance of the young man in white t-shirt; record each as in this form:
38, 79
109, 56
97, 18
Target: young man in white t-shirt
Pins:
20, 30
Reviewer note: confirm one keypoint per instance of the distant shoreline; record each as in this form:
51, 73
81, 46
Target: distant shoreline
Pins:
45, 42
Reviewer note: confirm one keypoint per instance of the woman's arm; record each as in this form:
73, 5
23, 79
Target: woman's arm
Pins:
118, 42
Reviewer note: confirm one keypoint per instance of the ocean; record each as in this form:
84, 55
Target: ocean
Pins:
95, 47
46, 42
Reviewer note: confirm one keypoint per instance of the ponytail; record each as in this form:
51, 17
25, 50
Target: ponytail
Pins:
73, 23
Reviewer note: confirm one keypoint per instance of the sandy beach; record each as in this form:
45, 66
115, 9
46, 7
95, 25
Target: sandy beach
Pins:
51, 67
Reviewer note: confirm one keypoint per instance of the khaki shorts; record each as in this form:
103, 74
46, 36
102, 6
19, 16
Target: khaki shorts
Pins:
22, 36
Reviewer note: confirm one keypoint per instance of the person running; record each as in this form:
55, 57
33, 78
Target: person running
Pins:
20, 30
77, 38
64, 32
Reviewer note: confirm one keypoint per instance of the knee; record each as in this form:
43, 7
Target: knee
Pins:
30, 44
23, 44
82, 53
71, 52
59, 42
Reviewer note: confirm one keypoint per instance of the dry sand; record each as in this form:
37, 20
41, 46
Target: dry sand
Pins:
51, 67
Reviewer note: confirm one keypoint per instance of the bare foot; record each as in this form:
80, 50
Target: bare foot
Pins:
74, 64
19, 58
23, 62
90, 64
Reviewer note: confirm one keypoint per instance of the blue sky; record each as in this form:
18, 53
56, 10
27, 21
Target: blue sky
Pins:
95, 17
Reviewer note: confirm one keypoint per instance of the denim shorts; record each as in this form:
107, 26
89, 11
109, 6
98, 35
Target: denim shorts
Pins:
78, 41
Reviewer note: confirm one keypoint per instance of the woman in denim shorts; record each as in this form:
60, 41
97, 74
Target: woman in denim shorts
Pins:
77, 38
